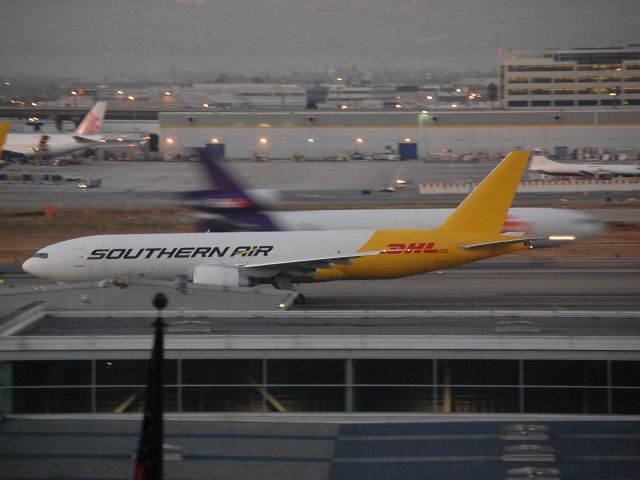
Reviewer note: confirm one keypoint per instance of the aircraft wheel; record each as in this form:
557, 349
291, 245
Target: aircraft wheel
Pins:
299, 300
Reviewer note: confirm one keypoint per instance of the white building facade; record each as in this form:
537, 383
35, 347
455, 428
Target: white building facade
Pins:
588, 78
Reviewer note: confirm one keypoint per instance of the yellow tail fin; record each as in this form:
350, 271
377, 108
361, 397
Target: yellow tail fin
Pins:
485, 209
4, 130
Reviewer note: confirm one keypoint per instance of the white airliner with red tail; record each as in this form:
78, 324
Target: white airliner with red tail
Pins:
50, 144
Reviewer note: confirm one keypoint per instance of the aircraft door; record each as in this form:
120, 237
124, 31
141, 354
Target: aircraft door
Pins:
78, 257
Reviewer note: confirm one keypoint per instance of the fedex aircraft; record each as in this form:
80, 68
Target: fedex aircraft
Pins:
541, 164
230, 208
46, 145
472, 232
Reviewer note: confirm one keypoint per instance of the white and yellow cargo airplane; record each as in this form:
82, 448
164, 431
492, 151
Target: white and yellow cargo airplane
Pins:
471, 233
46, 145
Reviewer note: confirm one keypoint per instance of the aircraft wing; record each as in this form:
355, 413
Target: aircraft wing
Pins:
309, 263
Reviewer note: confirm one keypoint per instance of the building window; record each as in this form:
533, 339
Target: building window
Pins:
587, 103
541, 91
540, 68
603, 67
541, 103
564, 103
518, 103
517, 80
587, 79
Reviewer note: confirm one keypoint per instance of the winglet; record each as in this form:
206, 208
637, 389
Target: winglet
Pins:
485, 209
4, 130
92, 122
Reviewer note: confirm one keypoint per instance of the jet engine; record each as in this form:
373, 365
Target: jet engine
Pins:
222, 276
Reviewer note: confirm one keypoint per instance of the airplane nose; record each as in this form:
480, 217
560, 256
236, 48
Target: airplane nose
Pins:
28, 266
35, 267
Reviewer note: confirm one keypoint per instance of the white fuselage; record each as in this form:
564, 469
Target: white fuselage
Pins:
543, 223
165, 256
541, 164
57, 144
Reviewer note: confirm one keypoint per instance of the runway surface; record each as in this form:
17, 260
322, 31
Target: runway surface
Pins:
596, 285
611, 285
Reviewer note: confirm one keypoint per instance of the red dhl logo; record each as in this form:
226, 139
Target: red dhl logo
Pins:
423, 247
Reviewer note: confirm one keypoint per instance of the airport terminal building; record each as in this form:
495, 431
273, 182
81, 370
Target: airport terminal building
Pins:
84, 349
308, 135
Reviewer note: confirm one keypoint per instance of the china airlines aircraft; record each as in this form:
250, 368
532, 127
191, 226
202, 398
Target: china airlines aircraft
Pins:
47, 145
472, 232
230, 207
541, 164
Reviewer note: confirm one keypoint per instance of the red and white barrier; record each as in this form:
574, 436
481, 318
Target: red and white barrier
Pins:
543, 186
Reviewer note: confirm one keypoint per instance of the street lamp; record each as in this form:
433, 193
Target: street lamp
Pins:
133, 101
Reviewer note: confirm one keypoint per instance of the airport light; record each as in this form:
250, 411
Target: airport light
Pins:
170, 141
205, 105
120, 92
344, 107
215, 140
263, 141
407, 140
429, 97
8, 84
34, 104
398, 106
167, 94
562, 238
131, 97
359, 140
310, 140
73, 92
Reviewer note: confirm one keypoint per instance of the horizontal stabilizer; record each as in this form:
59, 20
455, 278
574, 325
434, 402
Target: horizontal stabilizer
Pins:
80, 139
527, 241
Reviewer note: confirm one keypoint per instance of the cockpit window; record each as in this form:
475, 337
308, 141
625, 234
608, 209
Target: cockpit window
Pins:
41, 255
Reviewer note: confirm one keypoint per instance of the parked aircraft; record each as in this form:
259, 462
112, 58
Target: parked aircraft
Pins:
4, 130
472, 232
541, 164
46, 145
231, 208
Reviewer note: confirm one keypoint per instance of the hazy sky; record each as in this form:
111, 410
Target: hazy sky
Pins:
108, 37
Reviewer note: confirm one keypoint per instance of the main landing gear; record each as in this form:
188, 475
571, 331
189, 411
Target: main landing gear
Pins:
283, 282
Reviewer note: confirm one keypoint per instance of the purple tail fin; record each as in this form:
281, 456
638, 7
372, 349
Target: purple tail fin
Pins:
232, 207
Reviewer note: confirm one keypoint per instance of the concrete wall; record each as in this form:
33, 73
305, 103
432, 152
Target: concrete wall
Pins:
316, 134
